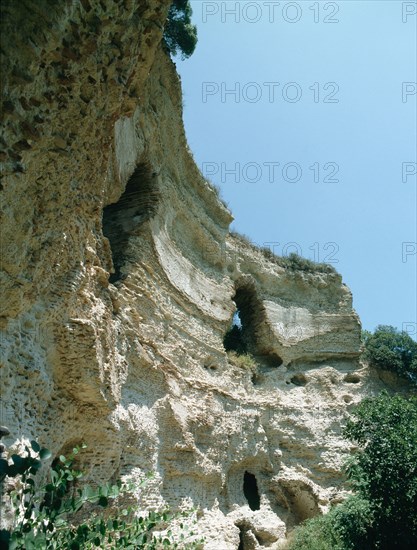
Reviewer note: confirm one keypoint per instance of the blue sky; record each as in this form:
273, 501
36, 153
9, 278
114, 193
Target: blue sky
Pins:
313, 106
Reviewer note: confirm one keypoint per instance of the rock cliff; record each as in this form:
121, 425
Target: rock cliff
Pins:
120, 280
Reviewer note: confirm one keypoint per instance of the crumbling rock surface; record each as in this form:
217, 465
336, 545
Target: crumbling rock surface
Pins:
120, 280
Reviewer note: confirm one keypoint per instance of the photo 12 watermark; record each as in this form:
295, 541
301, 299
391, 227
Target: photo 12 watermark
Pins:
408, 251
270, 92
317, 252
409, 90
408, 171
271, 11
410, 328
409, 11
272, 172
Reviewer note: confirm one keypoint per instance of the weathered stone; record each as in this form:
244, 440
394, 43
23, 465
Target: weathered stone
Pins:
120, 280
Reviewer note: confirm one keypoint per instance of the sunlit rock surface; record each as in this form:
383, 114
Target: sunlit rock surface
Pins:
120, 280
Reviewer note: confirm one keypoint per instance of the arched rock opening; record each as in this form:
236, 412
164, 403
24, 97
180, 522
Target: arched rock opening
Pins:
250, 332
299, 498
137, 204
242, 337
233, 340
251, 492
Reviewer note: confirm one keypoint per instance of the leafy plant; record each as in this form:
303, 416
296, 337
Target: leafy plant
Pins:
180, 34
383, 472
47, 517
342, 528
392, 350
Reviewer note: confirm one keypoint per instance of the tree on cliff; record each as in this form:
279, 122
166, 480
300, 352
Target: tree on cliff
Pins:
180, 34
392, 350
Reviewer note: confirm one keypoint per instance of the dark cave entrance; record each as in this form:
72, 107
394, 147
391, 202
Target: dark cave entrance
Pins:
245, 334
241, 336
122, 219
251, 492
233, 340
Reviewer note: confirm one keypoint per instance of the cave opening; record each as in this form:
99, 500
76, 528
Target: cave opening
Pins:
122, 219
233, 340
241, 335
250, 490
247, 332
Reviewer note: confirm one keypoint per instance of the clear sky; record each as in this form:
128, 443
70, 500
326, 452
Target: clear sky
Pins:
304, 113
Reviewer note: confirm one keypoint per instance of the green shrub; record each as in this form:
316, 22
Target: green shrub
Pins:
294, 262
344, 527
46, 516
180, 34
383, 472
315, 534
392, 350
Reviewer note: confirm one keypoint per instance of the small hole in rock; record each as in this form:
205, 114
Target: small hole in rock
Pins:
352, 378
299, 379
250, 490
272, 361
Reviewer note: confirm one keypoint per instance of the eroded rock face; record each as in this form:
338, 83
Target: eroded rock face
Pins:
119, 278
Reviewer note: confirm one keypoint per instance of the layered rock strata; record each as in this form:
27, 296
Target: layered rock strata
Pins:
120, 280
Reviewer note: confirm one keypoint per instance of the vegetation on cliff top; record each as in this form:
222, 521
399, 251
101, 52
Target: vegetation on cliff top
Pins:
293, 262
180, 34
389, 349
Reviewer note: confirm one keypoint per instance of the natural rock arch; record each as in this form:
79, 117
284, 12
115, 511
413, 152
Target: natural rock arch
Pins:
251, 334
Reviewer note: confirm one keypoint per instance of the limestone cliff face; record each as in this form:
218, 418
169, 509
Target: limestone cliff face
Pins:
120, 280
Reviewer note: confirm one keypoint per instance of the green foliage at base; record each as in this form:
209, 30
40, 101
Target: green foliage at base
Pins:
343, 528
46, 516
383, 473
392, 350
180, 34
384, 470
